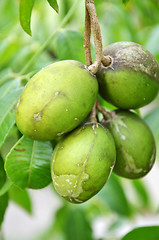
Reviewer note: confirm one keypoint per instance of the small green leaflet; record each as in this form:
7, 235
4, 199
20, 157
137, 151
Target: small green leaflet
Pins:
28, 163
54, 5
25, 10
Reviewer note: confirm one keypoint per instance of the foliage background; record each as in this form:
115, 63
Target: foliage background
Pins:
122, 204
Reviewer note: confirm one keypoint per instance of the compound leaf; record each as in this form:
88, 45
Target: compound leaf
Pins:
28, 163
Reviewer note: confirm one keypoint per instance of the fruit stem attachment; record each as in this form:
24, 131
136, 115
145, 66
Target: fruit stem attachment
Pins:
90, 6
106, 115
93, 118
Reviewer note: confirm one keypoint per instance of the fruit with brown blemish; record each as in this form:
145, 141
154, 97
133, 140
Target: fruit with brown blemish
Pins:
135, 144
82, 162
56, 100
132, 79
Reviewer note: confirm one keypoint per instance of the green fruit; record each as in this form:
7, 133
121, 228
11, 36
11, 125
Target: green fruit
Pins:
56, 100
82, 162
132, 79
135, 144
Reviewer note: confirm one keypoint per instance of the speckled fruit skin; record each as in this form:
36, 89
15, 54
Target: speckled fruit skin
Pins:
135, 144
82, 162
132, 79
56, 100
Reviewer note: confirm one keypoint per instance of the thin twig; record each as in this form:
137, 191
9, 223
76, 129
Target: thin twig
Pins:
93, 114
106, 115
97, 38
87, 35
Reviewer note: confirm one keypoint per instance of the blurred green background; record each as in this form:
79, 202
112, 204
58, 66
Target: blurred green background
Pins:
122, 204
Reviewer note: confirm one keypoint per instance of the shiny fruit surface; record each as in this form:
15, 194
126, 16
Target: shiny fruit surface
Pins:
135, 145
56, 100
82, 162
132, 79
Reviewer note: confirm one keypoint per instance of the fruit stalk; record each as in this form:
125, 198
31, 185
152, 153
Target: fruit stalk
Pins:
106, 114
90, 6
93, 114
87, 35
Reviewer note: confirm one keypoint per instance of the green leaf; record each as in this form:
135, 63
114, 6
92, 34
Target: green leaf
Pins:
28, 163
152, 42
113, 195
5, 188
3, 207
105, 104
25, 10
77, 226
143, 233
7, 109
142, 193
21, 198
5, 75
8, 87
4, 198
10, 141
8, 49
152, 120
54, 5
70, 223
69, 45
2, 173
125, 1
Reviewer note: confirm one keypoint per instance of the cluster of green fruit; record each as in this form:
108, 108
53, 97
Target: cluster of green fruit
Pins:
55, 105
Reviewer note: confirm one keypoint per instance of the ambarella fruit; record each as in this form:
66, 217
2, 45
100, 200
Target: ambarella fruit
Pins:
56, 100
132, 79
135, 144
82, 162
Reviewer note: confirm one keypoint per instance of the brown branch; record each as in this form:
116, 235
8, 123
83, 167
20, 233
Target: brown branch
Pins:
93, 114
106, 115
87, 35
97, 38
